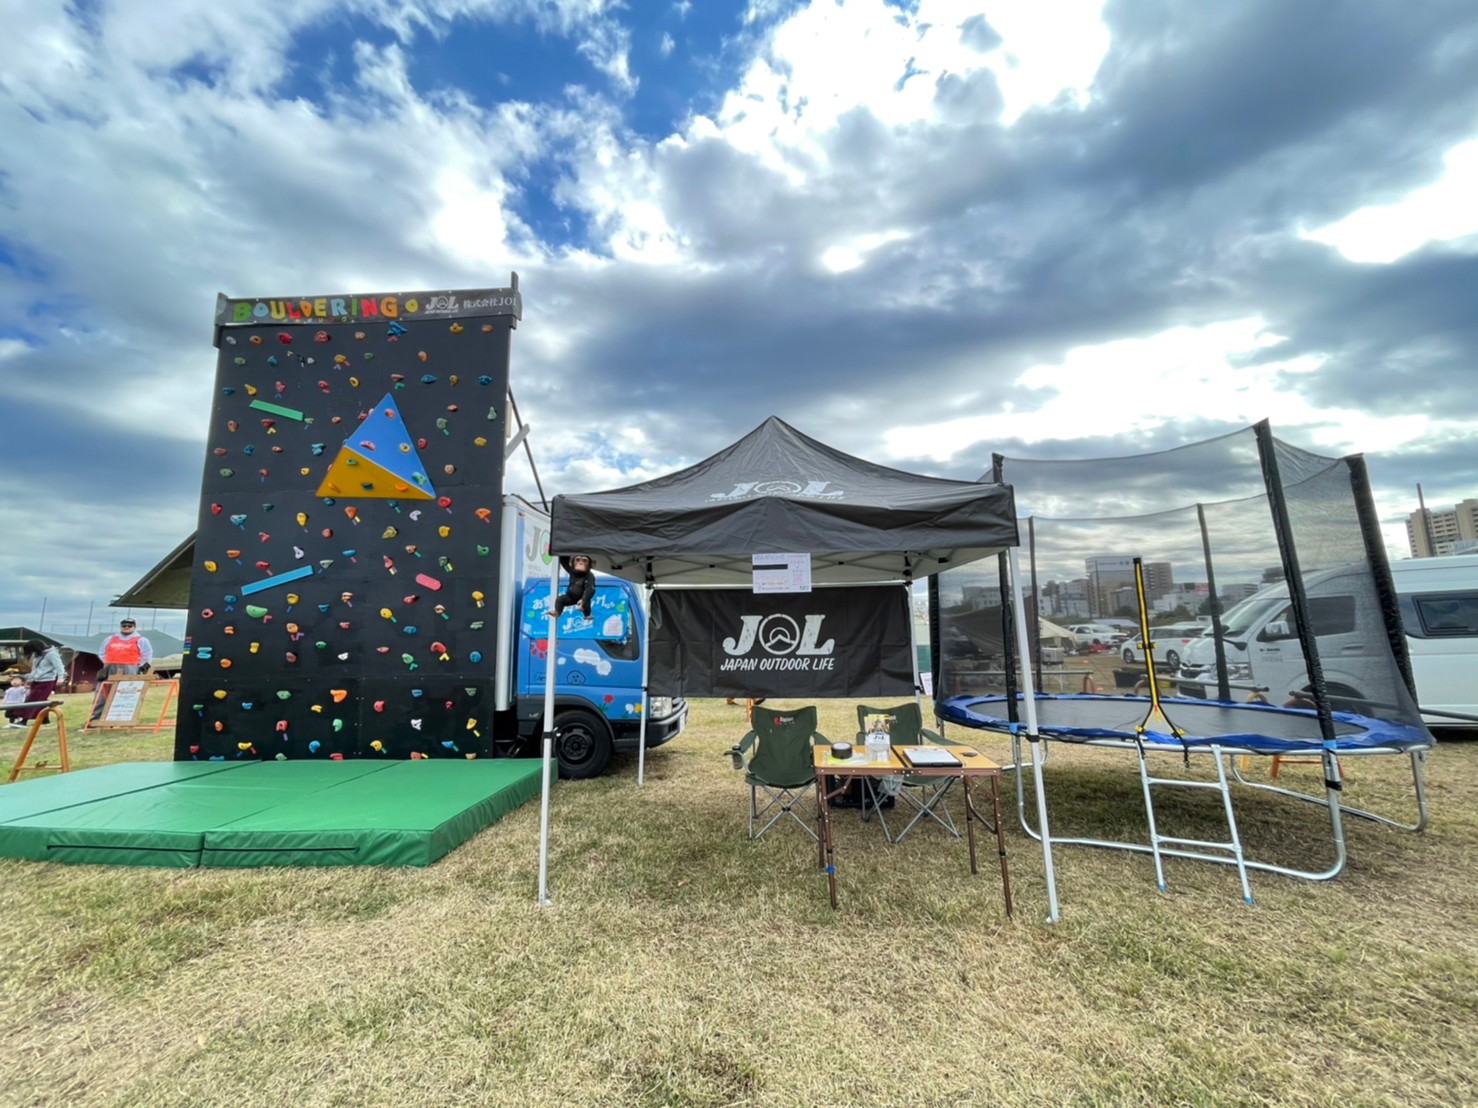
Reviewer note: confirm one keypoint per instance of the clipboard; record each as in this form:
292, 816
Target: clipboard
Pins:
927, 757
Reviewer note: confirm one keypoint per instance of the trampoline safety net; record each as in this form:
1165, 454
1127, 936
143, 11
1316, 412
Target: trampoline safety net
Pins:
1274, 550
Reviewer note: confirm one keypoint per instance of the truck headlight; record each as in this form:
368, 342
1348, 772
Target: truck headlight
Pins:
659, 707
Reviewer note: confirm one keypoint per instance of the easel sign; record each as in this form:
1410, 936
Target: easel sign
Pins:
124, 698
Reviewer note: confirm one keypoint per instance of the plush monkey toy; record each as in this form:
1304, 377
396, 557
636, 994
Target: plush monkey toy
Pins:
581, 590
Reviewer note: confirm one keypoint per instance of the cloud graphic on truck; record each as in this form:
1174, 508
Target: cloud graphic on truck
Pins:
589, 657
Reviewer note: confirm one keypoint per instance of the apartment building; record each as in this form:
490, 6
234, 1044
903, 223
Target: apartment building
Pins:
1442, 529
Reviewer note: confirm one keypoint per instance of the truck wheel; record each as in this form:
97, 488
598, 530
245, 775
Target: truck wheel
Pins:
1128, 654
584, 744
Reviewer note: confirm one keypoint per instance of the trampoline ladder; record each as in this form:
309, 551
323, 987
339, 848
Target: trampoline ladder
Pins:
1232, 846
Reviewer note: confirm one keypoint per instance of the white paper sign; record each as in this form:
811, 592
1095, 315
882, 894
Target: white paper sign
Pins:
125, 703
781, 572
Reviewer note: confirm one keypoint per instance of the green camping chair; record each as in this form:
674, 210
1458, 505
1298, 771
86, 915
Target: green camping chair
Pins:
925, 795
781, 766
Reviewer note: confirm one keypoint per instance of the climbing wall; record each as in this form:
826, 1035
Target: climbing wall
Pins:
346, 558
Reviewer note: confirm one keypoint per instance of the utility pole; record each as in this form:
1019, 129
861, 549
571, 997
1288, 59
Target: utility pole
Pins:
1426, 521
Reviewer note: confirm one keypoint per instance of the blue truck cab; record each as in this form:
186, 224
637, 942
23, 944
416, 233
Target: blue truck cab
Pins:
598, 663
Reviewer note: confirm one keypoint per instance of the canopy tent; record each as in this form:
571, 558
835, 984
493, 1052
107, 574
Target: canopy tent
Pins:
1052, 634
776, 491
779, 491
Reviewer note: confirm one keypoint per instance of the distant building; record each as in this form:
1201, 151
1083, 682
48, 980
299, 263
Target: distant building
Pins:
1108, 575
1445, 526
981, 596
1236, 593
1066, 599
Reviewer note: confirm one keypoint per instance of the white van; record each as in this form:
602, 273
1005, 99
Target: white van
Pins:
1439, 608
1263, 653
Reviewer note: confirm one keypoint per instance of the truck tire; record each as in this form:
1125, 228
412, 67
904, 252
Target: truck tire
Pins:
584, 744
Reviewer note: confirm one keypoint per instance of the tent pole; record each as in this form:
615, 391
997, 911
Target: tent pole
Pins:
646, 662
1034, 740
913, 645
549, 668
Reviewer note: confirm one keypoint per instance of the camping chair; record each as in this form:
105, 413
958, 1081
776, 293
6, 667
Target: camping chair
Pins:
781, 764
924, 794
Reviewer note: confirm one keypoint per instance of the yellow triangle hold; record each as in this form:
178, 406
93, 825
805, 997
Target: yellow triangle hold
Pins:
352, 474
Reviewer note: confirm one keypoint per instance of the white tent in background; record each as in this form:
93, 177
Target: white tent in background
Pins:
1053, 635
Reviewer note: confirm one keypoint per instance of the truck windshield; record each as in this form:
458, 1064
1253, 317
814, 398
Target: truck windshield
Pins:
1240, 621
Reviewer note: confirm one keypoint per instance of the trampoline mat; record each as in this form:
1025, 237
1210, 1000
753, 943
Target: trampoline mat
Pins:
1255, 728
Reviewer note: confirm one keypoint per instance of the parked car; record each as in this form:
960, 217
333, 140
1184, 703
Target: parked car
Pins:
1095, 634
1169, 643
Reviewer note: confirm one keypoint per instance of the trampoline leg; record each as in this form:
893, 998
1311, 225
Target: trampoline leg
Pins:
1333, 786
1149, 811
1418, 780
1226, 800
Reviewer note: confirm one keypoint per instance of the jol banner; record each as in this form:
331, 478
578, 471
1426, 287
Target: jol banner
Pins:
838, 642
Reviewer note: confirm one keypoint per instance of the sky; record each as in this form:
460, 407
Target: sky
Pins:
922, 232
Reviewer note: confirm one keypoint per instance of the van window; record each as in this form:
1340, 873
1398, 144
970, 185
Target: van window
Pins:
1331, 615
1441, 615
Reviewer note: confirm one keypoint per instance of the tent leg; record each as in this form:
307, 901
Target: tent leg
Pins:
549, 674
1029, 699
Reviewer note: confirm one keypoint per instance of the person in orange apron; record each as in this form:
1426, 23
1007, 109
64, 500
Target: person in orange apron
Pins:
126, 652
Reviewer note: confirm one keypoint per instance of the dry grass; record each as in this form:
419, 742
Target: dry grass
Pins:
681, 964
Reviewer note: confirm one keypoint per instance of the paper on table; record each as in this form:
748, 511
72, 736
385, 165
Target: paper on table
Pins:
928, 756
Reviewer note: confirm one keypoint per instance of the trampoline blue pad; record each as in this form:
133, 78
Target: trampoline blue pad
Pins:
1255, 728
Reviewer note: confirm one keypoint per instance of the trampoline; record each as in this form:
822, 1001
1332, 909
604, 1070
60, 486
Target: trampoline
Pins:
1237, 728
1187, 726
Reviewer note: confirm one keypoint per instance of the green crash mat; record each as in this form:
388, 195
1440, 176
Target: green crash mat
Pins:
409, 815
186, 814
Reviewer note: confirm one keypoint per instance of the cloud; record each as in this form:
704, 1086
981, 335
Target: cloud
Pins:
923, 233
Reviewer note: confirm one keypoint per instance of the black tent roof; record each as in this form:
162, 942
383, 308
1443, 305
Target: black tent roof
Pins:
777, 491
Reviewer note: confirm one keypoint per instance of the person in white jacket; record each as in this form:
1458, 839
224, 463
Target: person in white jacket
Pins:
46, 671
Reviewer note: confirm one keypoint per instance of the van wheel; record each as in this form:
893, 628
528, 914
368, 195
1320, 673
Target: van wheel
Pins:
584, 744
1128, 654
1342, 698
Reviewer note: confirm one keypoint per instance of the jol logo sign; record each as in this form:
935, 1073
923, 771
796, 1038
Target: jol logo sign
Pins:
811, 490
782, 643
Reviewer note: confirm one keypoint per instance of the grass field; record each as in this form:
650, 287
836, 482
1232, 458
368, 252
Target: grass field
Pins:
682, 964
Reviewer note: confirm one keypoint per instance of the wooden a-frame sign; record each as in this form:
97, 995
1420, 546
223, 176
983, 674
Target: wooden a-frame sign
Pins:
124, 697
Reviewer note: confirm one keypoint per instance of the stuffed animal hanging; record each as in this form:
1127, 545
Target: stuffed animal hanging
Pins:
581, 590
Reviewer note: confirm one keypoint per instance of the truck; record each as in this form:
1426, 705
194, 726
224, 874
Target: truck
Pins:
598, 665
1438, 599
598, 688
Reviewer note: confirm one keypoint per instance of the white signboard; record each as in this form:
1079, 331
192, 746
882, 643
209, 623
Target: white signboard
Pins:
124, 706
781, 572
